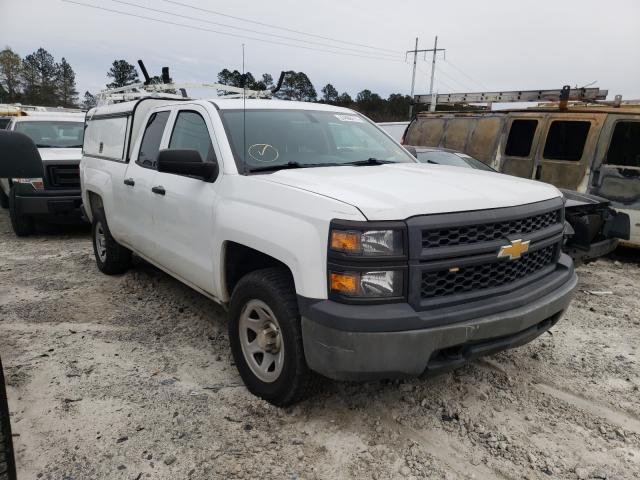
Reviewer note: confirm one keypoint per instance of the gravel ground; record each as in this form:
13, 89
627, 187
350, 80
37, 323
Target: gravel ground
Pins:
130, 377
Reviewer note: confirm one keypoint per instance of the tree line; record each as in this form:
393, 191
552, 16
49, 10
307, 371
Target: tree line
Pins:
38, 79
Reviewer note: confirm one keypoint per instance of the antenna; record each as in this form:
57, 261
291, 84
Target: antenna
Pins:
244, 115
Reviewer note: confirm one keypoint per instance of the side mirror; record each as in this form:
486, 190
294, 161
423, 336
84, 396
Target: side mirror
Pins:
187, 162
411, 150
19, 156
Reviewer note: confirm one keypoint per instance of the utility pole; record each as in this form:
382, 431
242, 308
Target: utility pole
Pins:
415, 52
413, 76
432, 106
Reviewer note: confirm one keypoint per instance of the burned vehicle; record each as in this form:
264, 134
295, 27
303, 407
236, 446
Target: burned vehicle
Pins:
593, 226
589, 148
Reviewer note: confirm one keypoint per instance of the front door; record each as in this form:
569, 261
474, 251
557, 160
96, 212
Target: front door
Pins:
616, 170
183, 215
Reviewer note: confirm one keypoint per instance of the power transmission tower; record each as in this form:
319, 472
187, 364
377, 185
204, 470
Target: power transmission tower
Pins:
415, 52
435, 51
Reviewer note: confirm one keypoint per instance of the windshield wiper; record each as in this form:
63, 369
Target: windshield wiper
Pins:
39, 145
369, 161
289, 165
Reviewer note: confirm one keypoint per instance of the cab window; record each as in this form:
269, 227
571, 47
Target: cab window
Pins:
190, 132
148, 155
624, 149
566, 140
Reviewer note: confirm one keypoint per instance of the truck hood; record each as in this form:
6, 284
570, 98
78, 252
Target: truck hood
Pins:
399, 191
53, 155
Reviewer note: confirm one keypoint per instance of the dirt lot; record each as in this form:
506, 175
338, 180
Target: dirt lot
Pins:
130, 377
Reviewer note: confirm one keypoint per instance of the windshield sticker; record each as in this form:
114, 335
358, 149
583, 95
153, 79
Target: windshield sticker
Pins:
263, 152
349, 118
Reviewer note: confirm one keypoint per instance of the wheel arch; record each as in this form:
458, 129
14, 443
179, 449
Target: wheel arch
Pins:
239, 260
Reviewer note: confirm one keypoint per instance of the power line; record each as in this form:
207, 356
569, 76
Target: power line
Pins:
454, 80
465, 74
144, 7
276, 26
193, 27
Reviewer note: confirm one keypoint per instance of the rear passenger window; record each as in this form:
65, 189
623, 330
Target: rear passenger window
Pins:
148, 155
520, 138
566, 140
624, 148
190, 132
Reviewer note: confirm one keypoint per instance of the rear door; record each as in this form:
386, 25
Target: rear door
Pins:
134, 199
518, 151
567, 149
183, 214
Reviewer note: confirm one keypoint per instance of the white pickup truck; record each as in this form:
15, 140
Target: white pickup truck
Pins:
334, 251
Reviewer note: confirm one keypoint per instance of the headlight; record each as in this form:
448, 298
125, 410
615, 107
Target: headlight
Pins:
368, 243
35, 182
371, 284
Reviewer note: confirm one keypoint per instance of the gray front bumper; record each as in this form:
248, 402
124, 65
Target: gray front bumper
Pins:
358, 355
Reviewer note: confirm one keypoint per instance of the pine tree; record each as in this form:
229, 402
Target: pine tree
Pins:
39, 71
89, 101
66, 84
10, 81
123, 73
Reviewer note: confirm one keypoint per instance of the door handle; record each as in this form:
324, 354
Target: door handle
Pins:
159, 190
129, 181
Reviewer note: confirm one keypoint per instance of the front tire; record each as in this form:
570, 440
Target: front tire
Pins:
111, 257
266, 337
22, 225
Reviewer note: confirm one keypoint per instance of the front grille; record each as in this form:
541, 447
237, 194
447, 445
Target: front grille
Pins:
64, 176
482, 232
441, 283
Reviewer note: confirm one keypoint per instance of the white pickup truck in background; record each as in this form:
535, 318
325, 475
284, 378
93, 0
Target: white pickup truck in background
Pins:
334, 251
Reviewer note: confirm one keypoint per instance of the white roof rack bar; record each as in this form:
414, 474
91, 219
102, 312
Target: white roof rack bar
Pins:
140, 90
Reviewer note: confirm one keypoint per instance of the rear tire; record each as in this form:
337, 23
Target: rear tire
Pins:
22, 225
266, 337
7, 462
111, 257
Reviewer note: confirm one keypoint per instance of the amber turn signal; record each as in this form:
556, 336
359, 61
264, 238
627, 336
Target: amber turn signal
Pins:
345, 241
344, 283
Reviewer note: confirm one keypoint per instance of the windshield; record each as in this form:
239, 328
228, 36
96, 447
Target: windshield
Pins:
4, 122
53, 134
452, 159
304, 138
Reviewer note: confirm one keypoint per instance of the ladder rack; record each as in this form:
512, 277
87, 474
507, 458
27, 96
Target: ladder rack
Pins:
565, 94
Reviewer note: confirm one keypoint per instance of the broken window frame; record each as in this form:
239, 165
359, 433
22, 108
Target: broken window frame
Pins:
611, 140
566, 158
531, 141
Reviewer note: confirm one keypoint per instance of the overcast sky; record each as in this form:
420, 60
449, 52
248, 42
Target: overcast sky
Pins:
490, 45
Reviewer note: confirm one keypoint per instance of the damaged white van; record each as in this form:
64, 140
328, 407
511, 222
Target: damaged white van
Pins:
333, 250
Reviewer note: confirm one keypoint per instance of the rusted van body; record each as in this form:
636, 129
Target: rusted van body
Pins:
589, 149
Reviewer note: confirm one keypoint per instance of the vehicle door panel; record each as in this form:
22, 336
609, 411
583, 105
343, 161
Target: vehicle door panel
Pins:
135, 200
183, 216
520, 143
565, 172
616, 170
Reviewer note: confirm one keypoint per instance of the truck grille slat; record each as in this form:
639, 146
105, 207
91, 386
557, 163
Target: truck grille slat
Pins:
477, 277
482, 232
64, 176
454, 257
